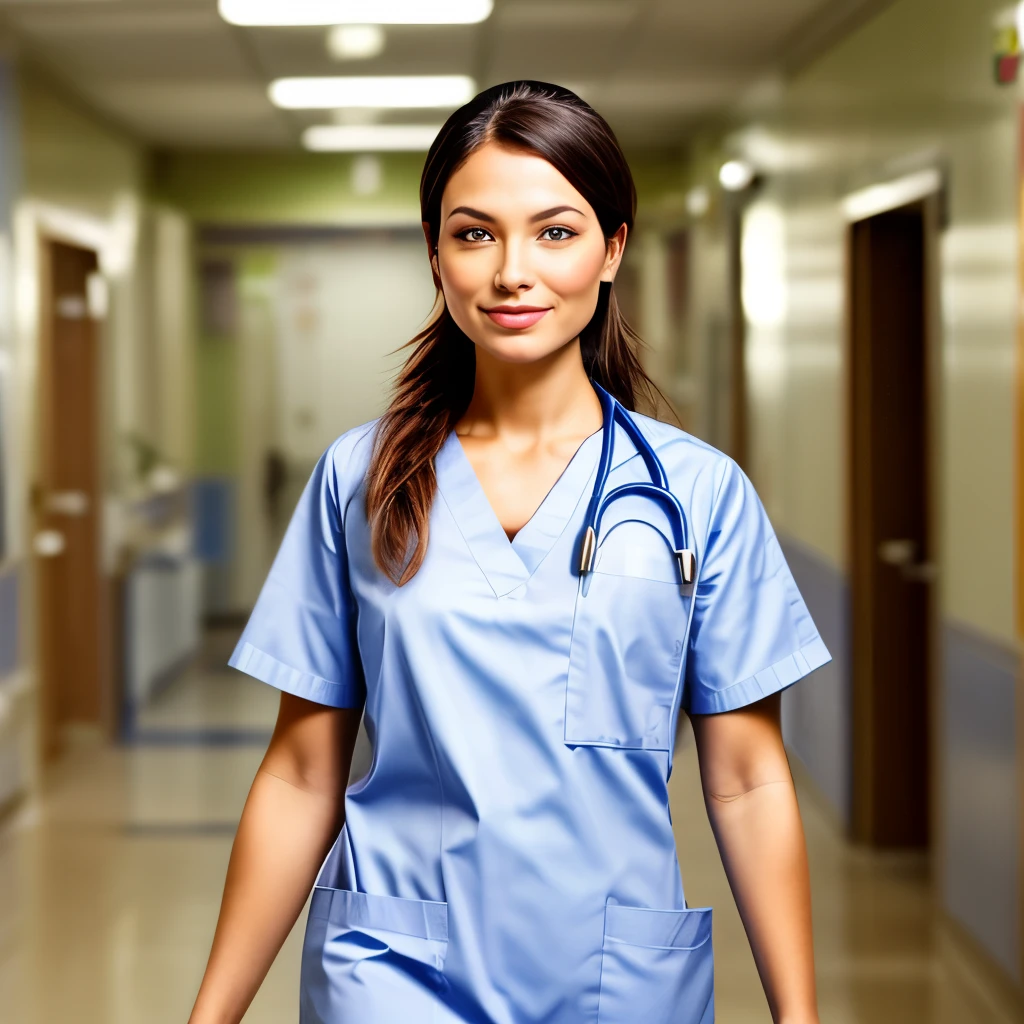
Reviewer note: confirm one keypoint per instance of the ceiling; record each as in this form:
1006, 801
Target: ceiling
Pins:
175, 75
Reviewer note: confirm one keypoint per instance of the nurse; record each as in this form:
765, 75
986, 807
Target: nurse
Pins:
509, 858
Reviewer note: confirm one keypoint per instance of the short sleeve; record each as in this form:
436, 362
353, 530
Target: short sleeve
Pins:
301, 634
751, 634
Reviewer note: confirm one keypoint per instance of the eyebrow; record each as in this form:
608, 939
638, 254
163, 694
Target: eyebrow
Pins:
553, 212
543, 215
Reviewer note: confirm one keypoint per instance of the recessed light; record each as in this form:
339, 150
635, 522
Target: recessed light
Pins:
355, 12
355, 42
697, 201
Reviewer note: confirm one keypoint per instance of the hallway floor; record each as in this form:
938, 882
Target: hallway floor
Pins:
109, 891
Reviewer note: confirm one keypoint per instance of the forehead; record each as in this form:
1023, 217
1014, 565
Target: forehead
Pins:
505, 181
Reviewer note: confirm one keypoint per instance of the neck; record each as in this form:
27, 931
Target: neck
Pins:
552, 397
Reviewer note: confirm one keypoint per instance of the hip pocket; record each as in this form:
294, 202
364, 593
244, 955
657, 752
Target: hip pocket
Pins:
628, 641
657, 966
369, 958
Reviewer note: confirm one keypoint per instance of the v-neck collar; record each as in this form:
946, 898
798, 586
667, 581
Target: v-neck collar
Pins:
508, 564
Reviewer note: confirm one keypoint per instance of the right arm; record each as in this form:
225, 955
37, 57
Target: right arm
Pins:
292, 815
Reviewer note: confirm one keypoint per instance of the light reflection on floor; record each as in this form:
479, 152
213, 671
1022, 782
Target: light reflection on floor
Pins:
109, 892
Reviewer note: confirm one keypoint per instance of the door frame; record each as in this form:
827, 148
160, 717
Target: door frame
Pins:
1018, 500
35, 225
926, 187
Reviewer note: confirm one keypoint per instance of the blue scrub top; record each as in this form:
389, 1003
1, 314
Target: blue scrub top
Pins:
509, 856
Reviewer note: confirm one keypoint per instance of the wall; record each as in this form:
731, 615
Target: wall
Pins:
912, 88
334, 188
84, 180
15, 766
307, 353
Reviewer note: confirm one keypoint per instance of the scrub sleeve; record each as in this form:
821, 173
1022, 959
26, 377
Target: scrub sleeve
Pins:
751, 633
301, 634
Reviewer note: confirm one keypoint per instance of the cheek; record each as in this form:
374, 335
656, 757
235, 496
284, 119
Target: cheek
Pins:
462, 277
578, 277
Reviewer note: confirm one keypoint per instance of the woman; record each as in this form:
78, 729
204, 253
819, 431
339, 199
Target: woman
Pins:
521, 647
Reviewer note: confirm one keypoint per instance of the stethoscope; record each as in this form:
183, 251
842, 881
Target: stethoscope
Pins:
614, 413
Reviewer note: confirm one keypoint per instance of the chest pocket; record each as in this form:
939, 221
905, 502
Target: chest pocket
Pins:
628, 641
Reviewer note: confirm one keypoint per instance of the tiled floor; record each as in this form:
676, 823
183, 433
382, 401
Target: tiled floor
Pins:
109, 892
210, 696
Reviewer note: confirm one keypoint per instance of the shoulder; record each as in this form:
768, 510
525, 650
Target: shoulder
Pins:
710, 483
347, 459
687, 459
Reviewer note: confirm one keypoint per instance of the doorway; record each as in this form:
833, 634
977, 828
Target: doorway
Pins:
71, 608
890, 539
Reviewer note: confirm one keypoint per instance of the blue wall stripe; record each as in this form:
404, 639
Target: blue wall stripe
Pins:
979, 788
816, 713
9, 621
980, 794
212, 509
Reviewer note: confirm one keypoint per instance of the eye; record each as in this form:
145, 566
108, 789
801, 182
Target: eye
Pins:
474, 235
557, 234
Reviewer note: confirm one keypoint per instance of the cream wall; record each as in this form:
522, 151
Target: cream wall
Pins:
84, 182
912, 89
868, 112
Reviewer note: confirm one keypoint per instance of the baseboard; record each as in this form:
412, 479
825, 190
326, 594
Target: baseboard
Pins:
994, 989
808, 787
225, 620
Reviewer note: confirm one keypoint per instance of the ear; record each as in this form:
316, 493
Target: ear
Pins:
431, 253
616, 246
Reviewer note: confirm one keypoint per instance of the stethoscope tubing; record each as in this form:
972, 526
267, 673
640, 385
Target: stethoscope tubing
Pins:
615, 414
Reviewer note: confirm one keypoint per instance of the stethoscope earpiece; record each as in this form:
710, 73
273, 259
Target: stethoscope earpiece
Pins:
656, 489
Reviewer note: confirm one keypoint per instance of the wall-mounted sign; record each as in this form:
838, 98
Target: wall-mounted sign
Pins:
1006, 45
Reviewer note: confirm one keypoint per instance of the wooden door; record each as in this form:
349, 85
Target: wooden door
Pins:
66, 498
891, 572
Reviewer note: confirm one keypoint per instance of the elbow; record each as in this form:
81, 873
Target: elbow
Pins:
744, 775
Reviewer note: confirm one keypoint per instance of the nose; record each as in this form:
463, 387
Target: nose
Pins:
514, 274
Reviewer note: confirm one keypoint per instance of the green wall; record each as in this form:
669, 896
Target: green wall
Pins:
238, 188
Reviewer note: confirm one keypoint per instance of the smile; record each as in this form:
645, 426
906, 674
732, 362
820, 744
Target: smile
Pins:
516, 317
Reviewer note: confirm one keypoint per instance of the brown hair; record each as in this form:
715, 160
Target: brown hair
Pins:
434, 387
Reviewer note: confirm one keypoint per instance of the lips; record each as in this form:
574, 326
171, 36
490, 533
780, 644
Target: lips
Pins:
516, 318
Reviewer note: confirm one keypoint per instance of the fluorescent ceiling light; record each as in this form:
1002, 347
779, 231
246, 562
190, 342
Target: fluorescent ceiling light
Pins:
369, 138
355, 42
380, 91
355, 12
735, 175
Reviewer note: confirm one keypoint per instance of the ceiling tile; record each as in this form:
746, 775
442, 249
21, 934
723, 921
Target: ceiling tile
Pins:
173, 71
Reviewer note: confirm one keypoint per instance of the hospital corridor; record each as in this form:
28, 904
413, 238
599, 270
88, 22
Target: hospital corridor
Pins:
212, 259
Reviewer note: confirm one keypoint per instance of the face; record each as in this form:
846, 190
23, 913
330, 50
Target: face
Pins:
520, 254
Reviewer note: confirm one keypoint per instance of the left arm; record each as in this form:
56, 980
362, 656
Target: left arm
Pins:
752, 806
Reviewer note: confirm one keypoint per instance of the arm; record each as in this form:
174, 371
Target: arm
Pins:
752, 806
292, 815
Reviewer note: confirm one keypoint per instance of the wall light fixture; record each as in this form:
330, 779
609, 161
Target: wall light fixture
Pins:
735, 175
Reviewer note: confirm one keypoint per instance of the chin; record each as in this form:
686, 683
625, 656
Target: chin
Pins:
520, 349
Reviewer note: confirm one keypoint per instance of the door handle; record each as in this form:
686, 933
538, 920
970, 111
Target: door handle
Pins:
66, 503
902, 554
901, 551
49, 543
